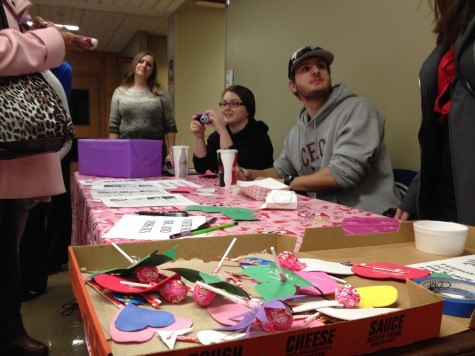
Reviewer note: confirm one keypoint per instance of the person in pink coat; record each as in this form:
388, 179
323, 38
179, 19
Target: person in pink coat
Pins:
25, 181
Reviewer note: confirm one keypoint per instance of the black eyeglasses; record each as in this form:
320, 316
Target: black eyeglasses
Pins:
232, 104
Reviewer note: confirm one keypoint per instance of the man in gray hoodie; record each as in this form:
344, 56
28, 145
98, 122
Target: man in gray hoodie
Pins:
336, 150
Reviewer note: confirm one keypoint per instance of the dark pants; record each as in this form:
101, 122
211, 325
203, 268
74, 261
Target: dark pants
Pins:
9, 303
47, 235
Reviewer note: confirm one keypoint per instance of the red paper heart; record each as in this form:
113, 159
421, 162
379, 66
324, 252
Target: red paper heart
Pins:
385, 270
114, 284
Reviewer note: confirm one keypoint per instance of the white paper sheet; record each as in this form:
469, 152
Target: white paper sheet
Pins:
458, 267
150, 200
139, 227
151, 184
109, 180
136, 192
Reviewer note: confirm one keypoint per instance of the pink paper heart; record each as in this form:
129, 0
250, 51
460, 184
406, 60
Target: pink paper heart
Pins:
321, 280
223, 311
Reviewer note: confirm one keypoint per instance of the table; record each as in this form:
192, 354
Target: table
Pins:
92, 219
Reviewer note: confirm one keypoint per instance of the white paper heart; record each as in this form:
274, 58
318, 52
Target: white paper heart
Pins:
315, 305
314, 264
354, 314
169, 336
208, 337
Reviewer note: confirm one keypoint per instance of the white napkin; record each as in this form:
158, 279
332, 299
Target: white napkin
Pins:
280, 199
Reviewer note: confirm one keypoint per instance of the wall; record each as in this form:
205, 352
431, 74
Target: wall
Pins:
378, 47
106, 67
196, 39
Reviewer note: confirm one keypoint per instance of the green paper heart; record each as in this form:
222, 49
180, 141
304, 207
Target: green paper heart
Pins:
153, 259
270, 285
194, 276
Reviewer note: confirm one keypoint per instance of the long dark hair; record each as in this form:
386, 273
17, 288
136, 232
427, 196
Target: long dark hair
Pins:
452, 18
152, 81
246, 96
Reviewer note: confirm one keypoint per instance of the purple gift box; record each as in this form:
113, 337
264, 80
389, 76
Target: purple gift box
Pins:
120, 158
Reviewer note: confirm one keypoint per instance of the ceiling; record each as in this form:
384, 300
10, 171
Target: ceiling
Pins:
113, 22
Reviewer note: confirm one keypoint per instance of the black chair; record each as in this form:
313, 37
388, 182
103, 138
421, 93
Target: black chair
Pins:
402, 180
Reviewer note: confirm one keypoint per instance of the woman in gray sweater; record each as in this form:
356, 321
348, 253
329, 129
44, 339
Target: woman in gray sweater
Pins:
141, 108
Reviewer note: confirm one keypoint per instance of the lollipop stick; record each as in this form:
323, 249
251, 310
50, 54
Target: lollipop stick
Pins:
311, 317
131, 260
234, 298
338, 279
216, 271
133, 284
279, 267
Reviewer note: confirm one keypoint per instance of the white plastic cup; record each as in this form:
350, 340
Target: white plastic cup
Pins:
440, 237
229, 159
180, 161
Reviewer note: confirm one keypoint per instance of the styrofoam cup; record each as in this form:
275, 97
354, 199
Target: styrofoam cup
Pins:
440, 237
229, 159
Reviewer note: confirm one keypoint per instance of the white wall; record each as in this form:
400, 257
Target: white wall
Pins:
378, 45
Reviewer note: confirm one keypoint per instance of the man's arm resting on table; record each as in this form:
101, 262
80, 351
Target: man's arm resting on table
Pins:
251, 174
321, 180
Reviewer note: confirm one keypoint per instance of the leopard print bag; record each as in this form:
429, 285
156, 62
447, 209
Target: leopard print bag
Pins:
32, 116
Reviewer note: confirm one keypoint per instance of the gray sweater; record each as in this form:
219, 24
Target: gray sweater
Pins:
137, 113
347, 136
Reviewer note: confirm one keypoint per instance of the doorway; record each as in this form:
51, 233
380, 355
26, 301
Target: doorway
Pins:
84, 108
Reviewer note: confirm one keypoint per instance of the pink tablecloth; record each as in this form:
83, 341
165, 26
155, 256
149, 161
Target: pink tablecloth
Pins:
92, 219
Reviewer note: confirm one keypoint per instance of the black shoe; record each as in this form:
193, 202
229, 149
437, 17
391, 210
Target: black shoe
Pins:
31, 294
24, 345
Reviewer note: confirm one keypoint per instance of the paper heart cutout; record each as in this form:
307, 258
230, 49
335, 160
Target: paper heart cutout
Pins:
385, 270
133, 318
314, 264
147, 333
321, 280
169, 336
229, 313
356, 313
377, 296
208, 337
270, 285
223, 311
307, 305
113, 283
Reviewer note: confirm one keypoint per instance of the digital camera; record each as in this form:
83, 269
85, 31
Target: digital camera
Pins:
202, 118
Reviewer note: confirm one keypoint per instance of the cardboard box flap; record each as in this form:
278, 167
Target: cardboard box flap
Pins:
204, 248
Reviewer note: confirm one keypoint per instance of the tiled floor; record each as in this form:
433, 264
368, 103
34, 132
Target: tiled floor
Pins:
49, 318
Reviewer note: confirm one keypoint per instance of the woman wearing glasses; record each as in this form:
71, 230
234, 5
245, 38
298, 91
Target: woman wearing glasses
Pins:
235, 128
